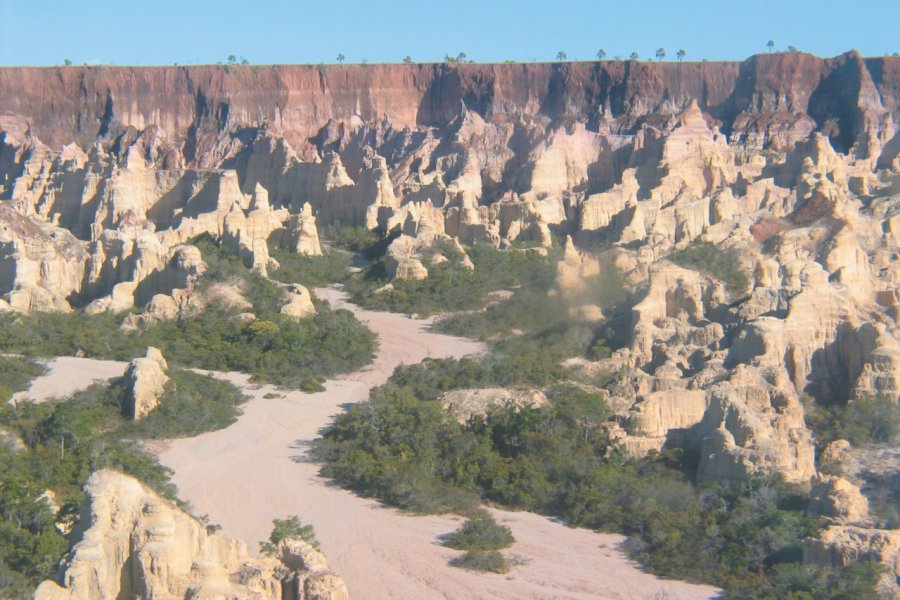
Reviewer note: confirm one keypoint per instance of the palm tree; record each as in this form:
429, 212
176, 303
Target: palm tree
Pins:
232, 59
560, 56
660, 54
601, 54
407, 60
770, 45
341, 58
461, 57
681, 54
634, 56
792, 49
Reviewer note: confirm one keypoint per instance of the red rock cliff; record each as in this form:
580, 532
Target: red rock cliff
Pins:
844, 96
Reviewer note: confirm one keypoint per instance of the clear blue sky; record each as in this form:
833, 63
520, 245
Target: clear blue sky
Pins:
141, 32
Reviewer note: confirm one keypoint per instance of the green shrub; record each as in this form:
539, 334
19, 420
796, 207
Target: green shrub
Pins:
480, 532
311, 271
369, 243
489, 561
861, 421
68, 440
290, 528
721, 263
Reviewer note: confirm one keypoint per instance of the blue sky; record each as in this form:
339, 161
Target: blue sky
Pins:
164, 32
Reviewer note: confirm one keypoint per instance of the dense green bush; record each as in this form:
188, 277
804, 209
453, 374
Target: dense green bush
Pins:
66, 442
311, 271
370, 244
480, 532
192, 404
290, 528
861, 421
721, 263
274, 348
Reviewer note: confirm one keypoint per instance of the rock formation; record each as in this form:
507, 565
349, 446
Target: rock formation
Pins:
135, 544
841, 545
299, 304
145, 382
787, 163
465, 404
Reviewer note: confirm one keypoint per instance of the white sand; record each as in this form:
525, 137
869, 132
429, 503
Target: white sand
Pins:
66, 375
246, 475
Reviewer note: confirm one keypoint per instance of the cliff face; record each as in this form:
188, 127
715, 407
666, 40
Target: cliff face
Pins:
190, 105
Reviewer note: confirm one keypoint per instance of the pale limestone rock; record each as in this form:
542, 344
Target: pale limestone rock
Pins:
145, 382
401, 260
754, 423
138, 544
837, 498
302, 234
299, 304
465, 404
665, 413
841, 545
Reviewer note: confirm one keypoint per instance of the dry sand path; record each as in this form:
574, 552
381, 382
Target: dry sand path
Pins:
247, 474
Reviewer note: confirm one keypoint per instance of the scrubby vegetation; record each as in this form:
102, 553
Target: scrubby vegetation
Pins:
482, 538
290, 528
556, 460
721, 263
861, 421
490, 561
273, 348
311, 271
402, 448
481, 532
66, 441
15, 374
450, 286
370, 244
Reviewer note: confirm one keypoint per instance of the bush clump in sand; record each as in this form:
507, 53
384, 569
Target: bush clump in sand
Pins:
482, 538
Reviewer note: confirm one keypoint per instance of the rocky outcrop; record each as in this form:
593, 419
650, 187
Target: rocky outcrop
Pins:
135, 544
299, 304
837, 498
145, 382
465, 404
841, 545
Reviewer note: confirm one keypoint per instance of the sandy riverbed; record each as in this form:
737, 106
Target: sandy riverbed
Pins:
248, 474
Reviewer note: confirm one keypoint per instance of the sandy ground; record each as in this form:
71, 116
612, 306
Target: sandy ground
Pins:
252, 472
67, 374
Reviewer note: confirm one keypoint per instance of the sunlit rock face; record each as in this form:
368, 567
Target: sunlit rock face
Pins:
136, 544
